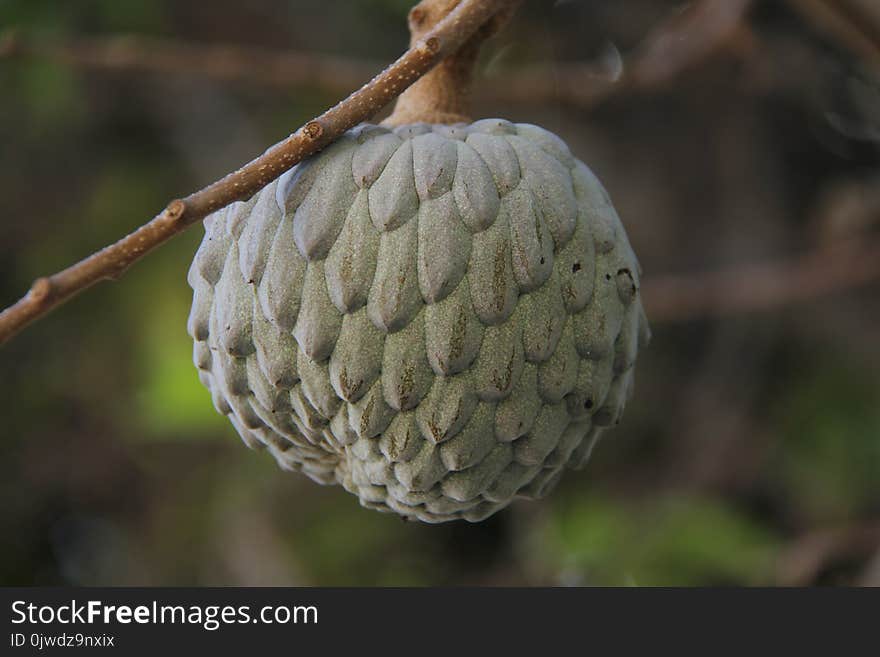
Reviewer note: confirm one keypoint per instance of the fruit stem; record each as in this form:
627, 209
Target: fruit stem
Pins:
443, 94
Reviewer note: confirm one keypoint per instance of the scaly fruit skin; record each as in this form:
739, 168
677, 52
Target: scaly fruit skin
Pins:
439, 318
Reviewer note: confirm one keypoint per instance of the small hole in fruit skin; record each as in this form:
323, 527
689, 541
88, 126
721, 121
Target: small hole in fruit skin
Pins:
576, 267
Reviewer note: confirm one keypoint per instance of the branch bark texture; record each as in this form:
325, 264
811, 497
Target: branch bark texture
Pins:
446, 37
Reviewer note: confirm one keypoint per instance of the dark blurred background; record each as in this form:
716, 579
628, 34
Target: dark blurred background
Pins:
740, 142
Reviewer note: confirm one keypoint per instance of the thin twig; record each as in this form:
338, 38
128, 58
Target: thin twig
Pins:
669, 298
672, 47
170, 57
109, 263
804, 560
685, 297
685, 39
443, 94
854, 23
669, 49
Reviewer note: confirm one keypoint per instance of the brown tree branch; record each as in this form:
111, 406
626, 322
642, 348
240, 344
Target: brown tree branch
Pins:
854, 23
169, 57
669, 49
668, 298
443, 94
684, 39
750, 288
109, 263
804, 560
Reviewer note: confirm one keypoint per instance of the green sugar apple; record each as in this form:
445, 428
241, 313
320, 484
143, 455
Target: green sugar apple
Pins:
439, 318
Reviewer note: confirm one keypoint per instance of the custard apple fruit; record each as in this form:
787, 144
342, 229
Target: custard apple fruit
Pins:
439, 318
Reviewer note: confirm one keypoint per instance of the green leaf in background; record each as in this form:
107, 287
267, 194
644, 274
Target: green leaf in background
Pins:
673, 541
170, 401
170, 398
828, 455
358, 548
51, 96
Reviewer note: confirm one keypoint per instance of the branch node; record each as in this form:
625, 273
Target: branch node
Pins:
432, 45
313, 130
112, 261
174, 211
442, 96
417, 16
41, 289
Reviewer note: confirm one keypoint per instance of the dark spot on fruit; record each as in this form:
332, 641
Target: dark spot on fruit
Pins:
626, 286
607, 277
542, 261
588, 404
576, 267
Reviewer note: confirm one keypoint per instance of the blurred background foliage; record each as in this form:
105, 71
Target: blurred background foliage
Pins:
749, 455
